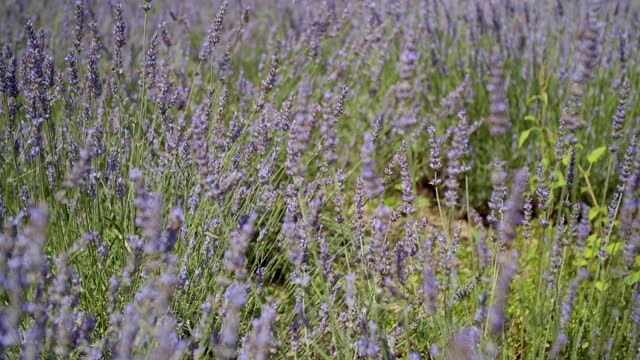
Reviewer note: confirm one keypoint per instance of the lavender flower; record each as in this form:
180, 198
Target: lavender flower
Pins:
455, 156
555, 262
619, 117
213, 35
150, 67
379, 248
78, 28
268, 82
235, 256
464, 344
120, 40
499, 192
567, 305
299, 138
373, 187
513, 208
10, 83
542, 191
262, 336
164, 34
236, 298
558, 346
500, 123
368, 344
508, 269
94, 82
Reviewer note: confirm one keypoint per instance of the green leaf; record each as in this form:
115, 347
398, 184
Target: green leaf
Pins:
588, 254
531, 118
532, 99
596, 154
633, 278
601, 285
524, 136
593, 212
581, 263
561, 181
615, 248
544, 98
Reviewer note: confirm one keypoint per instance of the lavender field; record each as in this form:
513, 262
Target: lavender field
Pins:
330, 179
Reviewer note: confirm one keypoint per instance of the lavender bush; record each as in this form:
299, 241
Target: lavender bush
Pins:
329, 179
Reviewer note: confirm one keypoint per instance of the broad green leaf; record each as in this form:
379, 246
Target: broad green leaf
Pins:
532, 99
596, 154
531, 118
588, 254
561, 181
615, 248
524, 136
601, 285
593, 212
633, 278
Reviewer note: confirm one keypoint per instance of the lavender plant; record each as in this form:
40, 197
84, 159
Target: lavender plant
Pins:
270, 179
